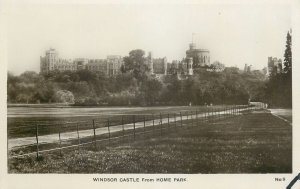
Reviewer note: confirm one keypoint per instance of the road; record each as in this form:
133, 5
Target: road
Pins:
284, 114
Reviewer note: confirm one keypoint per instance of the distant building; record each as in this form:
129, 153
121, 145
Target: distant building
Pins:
81, 63
274, 65
51, 61
195, 58
173, 67
189, 66
160, 66
264, 71
247, 68
200, 57
216, 67
98, 66
150, 63
114, 64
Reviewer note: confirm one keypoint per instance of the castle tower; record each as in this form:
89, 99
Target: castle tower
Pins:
49, 61
165, 65
246, 68
189, 66
150, 63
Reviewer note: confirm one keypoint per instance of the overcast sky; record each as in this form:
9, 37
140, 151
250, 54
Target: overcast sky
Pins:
234, 34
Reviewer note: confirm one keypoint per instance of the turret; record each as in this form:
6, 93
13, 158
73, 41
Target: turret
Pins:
189, 66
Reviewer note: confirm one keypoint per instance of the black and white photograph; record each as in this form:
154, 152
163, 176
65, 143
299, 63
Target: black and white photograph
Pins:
150, 94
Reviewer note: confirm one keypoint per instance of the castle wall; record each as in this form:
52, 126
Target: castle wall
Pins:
51, 62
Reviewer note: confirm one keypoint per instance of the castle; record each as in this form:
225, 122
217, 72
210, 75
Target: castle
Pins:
201, 57
195, 58
110, 66
274, 65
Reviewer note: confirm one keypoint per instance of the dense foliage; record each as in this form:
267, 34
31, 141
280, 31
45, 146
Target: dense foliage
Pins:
279, 87
135, 86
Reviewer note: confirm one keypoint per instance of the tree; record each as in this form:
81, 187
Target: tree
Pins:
64, 96
151, 89
136, 63
218, 66
279, 87
288, 54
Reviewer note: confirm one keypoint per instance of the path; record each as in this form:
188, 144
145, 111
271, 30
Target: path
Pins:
283, 114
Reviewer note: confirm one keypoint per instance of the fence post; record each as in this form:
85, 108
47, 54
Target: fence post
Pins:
108, 129
181, 119
209, 115
144, 124
212, 114
94, 133
227, 112
37, 141
187, 117
221, 112
175, 119
215, 114
160, 124
78, 135
204, 115
233, 113
234, 109
192, 118
153, 124
197, 124
59, 140
123, 127
133, 127
168, 121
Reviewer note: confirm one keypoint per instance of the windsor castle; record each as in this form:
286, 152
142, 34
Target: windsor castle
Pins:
112, 64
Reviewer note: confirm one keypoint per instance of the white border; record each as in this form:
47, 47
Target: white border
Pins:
74, 181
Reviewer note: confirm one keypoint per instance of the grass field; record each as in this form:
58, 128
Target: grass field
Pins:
22, 121
250, 143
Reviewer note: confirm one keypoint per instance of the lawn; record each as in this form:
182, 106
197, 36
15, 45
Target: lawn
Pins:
22, 121
250, 143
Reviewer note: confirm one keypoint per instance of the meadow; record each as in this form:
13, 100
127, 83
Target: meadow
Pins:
252, 142
22, 121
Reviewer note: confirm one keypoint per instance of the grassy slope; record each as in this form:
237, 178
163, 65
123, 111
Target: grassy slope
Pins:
251, 143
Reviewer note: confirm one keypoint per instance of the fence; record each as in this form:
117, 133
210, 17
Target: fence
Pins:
67, 135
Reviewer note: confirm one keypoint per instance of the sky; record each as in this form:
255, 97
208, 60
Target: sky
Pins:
235, 34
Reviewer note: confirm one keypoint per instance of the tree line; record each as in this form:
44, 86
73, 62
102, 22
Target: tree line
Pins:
279, 87
135, 86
